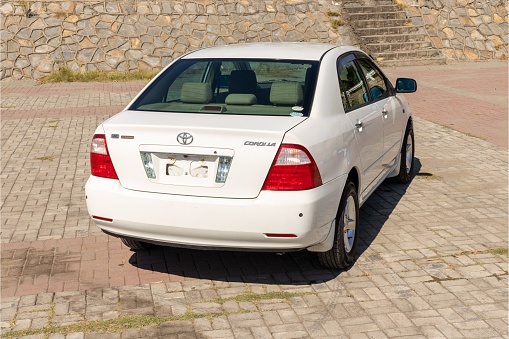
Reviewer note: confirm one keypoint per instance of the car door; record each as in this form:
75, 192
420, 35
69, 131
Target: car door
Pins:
365, 118
380, 92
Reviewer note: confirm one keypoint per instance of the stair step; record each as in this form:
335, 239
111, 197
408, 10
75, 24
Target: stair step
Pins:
392, 38
367, 3
377, 23
386, 30
398, 46
377, 16
413, 62
406, 54
388, 35
371, 9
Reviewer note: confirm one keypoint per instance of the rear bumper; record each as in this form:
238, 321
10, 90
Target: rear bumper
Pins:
205, 222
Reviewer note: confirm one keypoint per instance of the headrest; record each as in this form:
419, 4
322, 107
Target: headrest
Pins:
196, 92
242, 81
241, 99
286, 93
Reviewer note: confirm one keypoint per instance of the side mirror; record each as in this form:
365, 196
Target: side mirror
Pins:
406, 85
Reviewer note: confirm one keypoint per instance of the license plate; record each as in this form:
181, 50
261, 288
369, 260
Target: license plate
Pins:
195, 166
208, 169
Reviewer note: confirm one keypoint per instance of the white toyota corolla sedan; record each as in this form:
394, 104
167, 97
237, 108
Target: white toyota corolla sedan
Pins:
256, 147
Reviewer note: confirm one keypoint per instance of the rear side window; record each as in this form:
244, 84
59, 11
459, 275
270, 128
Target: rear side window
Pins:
353, 88
253, 87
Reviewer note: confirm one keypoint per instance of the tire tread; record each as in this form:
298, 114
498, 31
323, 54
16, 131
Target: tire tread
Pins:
334, 258
134, 244
403, 177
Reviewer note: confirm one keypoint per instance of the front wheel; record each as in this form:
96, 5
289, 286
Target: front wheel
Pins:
406, 167
342, 253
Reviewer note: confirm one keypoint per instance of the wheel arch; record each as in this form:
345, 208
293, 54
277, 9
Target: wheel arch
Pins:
354, 177
410, 121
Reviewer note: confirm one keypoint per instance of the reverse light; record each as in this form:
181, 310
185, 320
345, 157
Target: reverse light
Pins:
146, 158
100, 161
293, 169
223, 168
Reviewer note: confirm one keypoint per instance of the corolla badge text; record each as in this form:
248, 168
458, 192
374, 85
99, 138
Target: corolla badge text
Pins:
259, 143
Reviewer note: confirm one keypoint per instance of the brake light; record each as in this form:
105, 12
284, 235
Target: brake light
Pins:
293, 169
100, 161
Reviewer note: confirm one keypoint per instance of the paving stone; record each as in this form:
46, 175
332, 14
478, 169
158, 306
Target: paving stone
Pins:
245, 320
426, 270
219, 334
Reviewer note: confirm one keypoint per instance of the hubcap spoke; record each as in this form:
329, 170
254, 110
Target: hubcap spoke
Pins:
409, 154
349, 224
348, 248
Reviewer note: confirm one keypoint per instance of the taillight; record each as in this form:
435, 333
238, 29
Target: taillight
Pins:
293, 169
100, 161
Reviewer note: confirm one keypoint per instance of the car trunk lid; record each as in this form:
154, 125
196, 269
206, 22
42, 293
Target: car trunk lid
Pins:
207, 155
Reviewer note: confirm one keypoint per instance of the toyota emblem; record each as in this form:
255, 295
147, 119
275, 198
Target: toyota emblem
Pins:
184, 138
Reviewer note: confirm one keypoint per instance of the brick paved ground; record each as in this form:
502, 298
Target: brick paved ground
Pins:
469, 97
434, 253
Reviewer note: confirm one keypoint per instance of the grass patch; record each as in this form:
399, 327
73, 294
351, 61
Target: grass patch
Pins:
428, 176
125, 322
122, 323
25, 4
452, 128
496, 251
337, 23
49, 158
253, 297
54, 123
66, 75
400, 4
473, 136
500, 251
332, 13
60, 15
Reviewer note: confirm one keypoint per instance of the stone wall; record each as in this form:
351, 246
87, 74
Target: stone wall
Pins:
38, 37
463, 29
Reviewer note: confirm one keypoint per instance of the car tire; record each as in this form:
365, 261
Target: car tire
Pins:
342, 253
134, 244
406, 166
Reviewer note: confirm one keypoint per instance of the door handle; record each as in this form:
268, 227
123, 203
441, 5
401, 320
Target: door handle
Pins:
384, 113
359, 125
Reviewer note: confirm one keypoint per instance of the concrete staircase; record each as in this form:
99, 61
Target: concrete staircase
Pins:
384, 31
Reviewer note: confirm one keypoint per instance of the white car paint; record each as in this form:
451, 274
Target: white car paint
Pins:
238, 214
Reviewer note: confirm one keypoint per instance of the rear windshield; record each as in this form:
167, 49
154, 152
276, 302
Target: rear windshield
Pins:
233, 86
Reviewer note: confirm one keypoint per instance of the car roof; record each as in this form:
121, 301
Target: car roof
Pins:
267, 50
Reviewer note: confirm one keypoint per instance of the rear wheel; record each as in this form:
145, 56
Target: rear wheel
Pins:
406, 167
134, 244
342, 253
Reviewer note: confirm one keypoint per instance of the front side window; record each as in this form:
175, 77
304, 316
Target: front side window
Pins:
253, 87
375, 81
